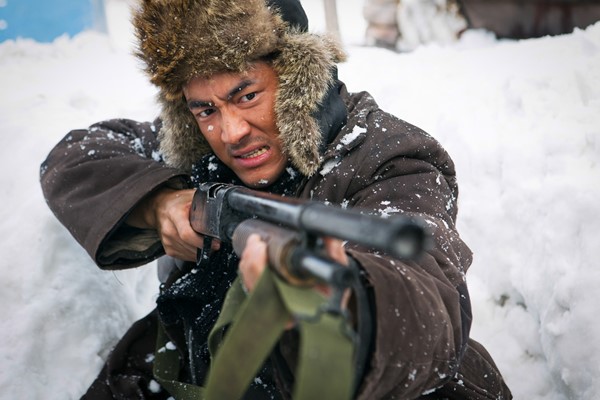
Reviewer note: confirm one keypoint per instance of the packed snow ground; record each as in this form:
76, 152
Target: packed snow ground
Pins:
521, 120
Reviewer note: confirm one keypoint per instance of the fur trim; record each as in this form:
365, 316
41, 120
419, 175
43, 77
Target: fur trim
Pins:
305, 75
182, 39
181, 141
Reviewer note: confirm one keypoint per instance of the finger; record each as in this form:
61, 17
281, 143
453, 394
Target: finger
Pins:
253, 261
175, 246
180, 250
188, 236
335, 249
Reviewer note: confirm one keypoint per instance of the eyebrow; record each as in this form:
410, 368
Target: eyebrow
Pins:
202, 103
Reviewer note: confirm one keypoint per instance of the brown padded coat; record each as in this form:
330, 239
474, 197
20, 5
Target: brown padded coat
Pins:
94, 177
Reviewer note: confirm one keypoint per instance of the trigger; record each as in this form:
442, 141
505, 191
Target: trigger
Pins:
203, 253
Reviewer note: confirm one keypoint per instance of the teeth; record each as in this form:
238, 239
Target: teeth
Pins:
255, 153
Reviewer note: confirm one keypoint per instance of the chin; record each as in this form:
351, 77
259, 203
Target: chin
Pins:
262, 183
262, 179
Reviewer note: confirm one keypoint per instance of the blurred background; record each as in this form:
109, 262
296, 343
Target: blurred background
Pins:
394, 24
44, 21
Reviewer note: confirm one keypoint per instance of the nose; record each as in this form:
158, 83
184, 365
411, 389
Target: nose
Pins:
234, 127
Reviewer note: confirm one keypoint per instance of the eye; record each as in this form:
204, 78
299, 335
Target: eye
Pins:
248, 97
205, 113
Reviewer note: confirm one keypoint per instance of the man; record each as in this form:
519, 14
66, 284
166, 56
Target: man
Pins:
249, 97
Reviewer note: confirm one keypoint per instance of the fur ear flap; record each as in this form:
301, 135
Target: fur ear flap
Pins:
304, 68
181, 141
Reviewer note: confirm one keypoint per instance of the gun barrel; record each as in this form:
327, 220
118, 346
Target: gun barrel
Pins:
401, 237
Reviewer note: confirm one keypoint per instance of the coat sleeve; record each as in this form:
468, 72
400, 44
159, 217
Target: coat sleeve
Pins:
94, 177
422, 310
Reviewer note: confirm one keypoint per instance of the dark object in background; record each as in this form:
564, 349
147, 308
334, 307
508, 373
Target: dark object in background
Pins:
522, 19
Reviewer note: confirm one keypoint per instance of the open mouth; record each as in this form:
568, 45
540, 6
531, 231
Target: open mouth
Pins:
255, 153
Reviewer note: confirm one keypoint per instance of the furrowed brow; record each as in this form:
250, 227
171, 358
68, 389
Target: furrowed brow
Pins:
243, 85
192, 104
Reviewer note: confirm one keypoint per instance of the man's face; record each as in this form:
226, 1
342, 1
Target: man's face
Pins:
235, 112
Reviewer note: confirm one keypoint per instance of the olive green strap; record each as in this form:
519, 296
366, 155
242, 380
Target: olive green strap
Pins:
325, 364
255, 324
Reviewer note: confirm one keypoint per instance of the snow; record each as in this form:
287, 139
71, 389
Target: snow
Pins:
351, 137
520, 118
328, 166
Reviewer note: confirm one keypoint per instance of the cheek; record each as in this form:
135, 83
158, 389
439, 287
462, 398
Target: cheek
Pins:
210, 131
211, 135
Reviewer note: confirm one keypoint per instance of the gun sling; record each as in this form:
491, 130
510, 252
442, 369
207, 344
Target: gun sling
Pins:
255, 323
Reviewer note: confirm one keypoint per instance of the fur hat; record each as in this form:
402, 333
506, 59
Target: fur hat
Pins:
182, 39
